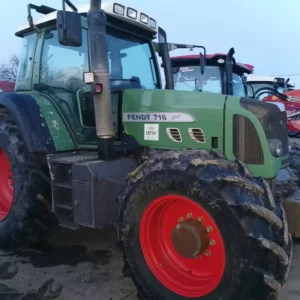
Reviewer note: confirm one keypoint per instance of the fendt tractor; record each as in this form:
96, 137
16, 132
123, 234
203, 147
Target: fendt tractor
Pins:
89, 123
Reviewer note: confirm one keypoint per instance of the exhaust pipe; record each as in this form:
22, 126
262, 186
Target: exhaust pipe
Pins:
228, 72
97, 21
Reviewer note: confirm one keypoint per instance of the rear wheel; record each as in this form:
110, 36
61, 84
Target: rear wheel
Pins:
193, 225
6, 186
25, 191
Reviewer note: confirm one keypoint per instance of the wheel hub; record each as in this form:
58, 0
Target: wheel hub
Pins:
190, 238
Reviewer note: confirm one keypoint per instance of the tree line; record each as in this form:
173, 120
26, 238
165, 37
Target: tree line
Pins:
8, 71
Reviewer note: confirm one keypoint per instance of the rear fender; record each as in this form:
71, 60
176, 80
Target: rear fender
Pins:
30, 121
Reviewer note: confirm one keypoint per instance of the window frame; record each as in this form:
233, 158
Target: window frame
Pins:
33, 63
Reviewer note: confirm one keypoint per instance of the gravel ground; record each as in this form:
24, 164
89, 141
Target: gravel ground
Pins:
87, 266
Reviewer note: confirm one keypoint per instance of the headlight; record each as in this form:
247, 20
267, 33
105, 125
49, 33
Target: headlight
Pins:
144, 18
119, 9
276, 147
152, 23
279, 148
131, 13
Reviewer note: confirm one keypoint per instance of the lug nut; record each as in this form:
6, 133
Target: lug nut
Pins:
207, 253
209, 229
189, 215
180, 219
212, 242
200, 219
178, 226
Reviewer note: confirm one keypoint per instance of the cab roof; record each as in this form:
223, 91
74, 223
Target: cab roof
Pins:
211, 59
84, 9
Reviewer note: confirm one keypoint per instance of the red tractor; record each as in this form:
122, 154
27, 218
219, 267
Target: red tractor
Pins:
222, 74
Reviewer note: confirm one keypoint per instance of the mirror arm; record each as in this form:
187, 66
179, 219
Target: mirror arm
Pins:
30, 19
71, 5
43, 9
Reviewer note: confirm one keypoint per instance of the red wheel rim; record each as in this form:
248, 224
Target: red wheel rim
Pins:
6, 186
188, 277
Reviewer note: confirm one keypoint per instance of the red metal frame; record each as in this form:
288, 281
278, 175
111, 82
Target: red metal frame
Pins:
290, 107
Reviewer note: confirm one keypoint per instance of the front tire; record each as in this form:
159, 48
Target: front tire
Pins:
248, 251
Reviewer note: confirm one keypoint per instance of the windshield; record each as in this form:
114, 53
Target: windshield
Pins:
129, 58
190, 79
239, 89
131, 64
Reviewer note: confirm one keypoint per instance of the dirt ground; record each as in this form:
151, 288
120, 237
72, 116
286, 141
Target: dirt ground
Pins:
86, 264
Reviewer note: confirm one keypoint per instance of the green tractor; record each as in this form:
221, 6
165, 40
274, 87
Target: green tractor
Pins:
89, 122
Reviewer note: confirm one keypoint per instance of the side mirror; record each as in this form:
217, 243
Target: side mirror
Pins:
202, 63
68, 26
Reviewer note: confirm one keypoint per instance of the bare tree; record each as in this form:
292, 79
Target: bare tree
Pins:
8, 71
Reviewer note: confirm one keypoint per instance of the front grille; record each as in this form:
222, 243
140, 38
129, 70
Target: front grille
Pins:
273, 121
174, 134
197, 135
246, 142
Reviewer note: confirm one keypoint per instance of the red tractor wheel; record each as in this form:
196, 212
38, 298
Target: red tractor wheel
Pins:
193, 225
6, 186
25, 192
182, 246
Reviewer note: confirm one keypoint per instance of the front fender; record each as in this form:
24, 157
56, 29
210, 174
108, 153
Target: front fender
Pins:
30, 121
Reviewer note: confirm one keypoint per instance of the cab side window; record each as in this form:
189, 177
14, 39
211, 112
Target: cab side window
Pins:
63, 66
24, 76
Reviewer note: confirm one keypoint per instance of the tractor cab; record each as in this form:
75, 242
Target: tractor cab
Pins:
56, 70
187, 75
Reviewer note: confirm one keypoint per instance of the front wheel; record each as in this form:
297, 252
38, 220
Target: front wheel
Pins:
194, 226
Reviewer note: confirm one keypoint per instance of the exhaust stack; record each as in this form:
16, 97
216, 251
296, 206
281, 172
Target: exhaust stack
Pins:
97, 21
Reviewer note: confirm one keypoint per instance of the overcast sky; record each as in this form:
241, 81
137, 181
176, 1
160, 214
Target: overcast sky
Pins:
264, 33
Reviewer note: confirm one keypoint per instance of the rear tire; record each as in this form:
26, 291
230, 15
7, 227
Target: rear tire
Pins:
253, 230
29, 219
